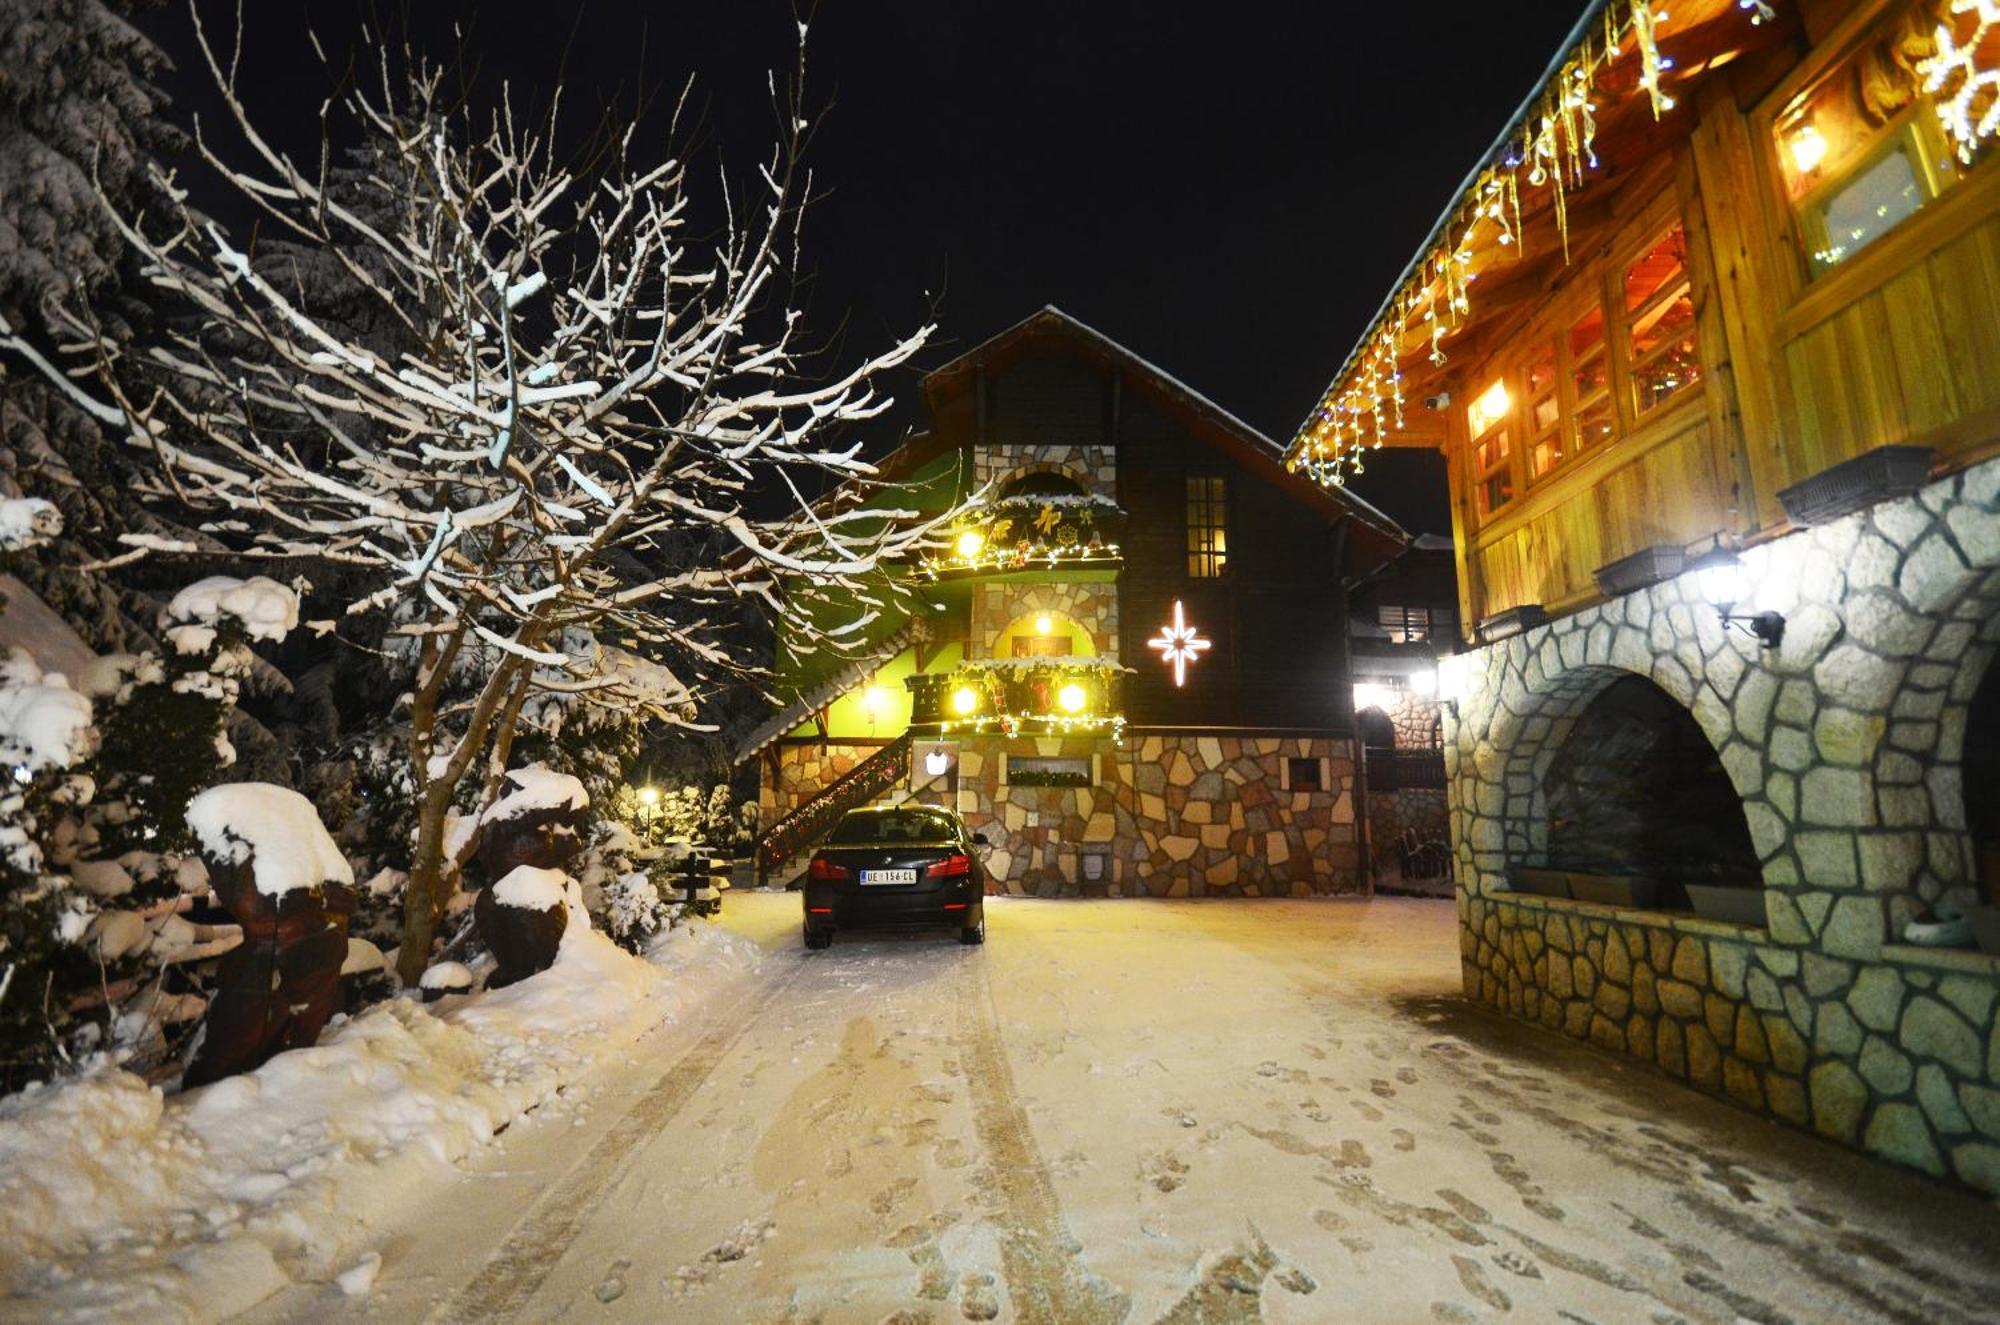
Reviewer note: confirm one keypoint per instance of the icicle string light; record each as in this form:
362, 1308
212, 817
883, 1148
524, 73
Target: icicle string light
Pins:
1556, 150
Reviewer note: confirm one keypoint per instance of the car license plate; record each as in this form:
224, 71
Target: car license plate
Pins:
888, 876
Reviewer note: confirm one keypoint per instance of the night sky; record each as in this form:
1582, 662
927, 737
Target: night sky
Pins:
1227, 189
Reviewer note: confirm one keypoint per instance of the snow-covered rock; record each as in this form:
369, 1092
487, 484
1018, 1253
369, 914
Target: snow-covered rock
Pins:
537, 788
446, 978
532, 889
362, 958
293, 849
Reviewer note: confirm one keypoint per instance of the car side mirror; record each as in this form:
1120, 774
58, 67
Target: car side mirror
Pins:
979, 840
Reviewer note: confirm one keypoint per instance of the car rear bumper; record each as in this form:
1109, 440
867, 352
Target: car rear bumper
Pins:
853, 907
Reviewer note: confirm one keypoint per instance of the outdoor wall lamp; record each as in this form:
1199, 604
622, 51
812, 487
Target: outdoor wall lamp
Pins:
1725, 583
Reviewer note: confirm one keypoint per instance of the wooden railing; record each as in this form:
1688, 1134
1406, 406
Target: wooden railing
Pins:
1404, 770
815, 818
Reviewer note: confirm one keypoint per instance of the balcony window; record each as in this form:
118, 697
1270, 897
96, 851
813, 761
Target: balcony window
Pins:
1207, 526
1492, 464
1405, 625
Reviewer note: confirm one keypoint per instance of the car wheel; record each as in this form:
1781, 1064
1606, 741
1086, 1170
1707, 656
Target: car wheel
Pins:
820, 939
973, 935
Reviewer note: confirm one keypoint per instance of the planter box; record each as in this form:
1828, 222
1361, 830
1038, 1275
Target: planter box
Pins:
1511, 622
1649, 566
1542, 883
1613, 889
1986, 928
1741, 906
1877, 475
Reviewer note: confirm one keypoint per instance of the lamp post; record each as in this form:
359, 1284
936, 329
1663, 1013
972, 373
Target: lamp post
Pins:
1725, 582
649, 808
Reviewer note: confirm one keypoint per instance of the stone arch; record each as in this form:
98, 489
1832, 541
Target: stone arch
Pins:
1517, 713
1031, 606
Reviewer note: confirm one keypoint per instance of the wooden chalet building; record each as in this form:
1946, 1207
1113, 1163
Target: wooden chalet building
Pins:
1128, 667
1710, 340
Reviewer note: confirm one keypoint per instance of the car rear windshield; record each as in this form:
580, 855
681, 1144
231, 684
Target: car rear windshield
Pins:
892, 826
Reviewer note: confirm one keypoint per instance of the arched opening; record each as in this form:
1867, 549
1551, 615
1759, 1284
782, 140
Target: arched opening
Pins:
1980, 776
1376, 729
1636, 791
1042, 483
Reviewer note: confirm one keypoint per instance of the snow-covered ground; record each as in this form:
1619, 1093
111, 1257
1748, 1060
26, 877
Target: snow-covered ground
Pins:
1145, 1113
119, 1204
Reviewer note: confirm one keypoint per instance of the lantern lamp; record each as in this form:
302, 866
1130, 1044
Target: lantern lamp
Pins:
969, 543
1072, 698
1725, 583
964, 701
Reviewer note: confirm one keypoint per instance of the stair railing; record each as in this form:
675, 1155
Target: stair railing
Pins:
816, 817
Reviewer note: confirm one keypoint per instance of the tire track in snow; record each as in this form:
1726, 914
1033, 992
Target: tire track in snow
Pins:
512, 1274
1047, 1282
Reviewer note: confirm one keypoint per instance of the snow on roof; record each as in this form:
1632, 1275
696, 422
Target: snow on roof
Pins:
536, 788
292, 847
43, 723
531, 888
27, 522
266, 609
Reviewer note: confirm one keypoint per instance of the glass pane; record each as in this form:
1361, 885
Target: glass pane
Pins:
1592, 375
1864, 209
1546, 455
1497, 491
1656, 379
1541, 373
1547, 411
1670, 321
1586, 334
1595, 423
1492, 451
1663, 266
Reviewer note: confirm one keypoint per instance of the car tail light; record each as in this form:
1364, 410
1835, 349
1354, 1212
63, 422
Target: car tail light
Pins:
951, 867
956, 906
827, 910
825, 870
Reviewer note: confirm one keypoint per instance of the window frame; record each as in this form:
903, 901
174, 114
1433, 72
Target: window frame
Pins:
1210, 560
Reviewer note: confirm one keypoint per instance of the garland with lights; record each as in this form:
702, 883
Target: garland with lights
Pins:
1015, 533
1555, 150
1022, 696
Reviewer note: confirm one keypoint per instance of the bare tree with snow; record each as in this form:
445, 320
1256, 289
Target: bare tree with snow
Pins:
599, 383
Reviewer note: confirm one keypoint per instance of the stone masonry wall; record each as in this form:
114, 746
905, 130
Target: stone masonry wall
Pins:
803, 770
1845, 745
1094, 468
1178, 816
997, 605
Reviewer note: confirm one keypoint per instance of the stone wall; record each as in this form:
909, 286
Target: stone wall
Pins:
1844, 746
1178, 816
1093, 468
998, 604
803, 770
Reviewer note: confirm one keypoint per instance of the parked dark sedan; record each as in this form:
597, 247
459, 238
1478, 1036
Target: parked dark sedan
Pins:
909, 866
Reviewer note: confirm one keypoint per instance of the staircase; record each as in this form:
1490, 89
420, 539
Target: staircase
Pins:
799, 831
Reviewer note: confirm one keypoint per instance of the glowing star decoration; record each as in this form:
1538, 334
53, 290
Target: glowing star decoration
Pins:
1963, 86
1180, 644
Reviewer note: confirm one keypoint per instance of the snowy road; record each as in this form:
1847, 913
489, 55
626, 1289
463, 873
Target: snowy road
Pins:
1153, 1112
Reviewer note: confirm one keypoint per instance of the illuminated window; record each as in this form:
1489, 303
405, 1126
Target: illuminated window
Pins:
1405, 625
1590, 380
1492, 449
1863, 148
1305, 775
1489, 409
1659, 322
1207, 527
1545, 430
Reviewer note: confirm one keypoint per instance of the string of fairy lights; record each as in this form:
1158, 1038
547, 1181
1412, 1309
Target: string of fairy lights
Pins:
1962, 87
1555, 150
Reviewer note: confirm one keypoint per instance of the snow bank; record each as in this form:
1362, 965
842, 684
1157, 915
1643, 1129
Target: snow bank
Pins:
281, 826
43, 723
532, 889
117, 1204
264, 608
537, 788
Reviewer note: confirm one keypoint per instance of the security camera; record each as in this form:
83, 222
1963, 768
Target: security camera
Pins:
1442, 400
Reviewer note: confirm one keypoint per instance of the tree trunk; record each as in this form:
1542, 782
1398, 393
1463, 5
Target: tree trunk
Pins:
421, 903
